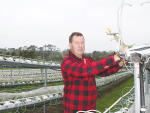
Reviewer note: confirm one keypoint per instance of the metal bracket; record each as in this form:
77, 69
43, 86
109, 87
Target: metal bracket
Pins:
135, 57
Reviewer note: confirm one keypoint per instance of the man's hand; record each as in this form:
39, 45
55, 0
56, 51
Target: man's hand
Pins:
117, 57
123, 62
124, 49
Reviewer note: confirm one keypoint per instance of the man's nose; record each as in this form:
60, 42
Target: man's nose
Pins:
80, 45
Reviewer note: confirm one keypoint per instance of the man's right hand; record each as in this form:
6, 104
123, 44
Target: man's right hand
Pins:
117, 57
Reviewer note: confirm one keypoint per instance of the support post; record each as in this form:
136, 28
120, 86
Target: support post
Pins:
137, 87
142, 90
11, 71
138, 83
45, 85
147, 76
42, 73
146, 82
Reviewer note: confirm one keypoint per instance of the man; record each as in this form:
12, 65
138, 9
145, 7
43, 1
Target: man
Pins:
79, 73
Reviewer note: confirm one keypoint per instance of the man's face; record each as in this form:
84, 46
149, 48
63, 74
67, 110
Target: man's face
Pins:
77, 46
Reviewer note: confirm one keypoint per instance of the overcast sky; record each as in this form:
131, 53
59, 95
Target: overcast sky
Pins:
40, 22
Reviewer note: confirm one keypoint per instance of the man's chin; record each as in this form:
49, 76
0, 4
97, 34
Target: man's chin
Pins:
80, 53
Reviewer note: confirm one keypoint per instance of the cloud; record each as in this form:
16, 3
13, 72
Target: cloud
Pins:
37, 22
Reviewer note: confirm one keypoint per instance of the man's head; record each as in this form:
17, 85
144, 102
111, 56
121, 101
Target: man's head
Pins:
76, 43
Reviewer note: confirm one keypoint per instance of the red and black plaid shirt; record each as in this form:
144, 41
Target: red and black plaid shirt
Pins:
79, 80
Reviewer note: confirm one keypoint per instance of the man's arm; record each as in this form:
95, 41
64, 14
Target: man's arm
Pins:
114, 69
110, 70
75, 69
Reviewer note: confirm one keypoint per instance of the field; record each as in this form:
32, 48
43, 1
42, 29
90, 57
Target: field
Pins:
25, 91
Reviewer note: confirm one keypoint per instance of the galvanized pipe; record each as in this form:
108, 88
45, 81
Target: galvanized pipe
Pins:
146, 82
142, 90
45, 85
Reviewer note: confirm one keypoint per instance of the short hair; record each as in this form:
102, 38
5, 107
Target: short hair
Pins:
74, 34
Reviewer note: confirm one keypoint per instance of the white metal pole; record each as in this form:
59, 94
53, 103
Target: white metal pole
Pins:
120, 28
137, 87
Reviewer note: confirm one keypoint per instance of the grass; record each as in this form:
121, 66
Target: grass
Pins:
114, 95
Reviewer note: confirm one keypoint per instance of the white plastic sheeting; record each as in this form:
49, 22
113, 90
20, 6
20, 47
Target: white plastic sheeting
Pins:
29, 100
40, 91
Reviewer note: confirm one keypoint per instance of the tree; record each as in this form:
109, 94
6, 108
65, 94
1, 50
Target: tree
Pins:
25, 53
31, 54
25, 47
20, 53
13, 53
65, 52
32, 48
96, 54
7, 53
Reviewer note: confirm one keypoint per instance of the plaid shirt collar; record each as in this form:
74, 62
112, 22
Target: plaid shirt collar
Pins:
74, 56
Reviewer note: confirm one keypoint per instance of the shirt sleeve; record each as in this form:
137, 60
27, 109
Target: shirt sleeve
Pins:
76, 69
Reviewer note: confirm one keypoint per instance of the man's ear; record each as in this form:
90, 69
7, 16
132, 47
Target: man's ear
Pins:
70, 45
